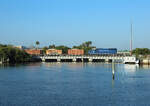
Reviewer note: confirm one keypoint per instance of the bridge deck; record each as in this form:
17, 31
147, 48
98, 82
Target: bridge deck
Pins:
90, 58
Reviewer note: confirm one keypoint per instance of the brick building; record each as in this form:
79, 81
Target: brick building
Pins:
75, 52
53, 51
34, 51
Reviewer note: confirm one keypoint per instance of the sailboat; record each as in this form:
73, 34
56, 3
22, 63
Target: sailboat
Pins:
134, 59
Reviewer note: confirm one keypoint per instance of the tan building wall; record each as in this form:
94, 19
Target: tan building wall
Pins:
34, 51
53, 51
76, 52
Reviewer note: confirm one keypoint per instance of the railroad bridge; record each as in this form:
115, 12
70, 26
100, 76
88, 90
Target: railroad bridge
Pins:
89, 58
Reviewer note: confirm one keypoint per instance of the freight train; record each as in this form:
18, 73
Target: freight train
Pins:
100, 51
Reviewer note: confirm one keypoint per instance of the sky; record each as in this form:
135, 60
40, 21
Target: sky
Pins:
107, 23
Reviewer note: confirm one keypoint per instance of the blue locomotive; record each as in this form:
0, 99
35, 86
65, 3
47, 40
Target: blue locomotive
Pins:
99, 51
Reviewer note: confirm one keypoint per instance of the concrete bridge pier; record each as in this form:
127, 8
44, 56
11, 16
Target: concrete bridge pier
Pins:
82, 59
106, 60
90, 60
58, 60
74, 59
43, 59
113, 60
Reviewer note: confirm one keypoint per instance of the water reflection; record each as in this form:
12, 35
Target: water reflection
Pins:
145, 66
21, 64
131, 67
105, 65
76, 66
51, 64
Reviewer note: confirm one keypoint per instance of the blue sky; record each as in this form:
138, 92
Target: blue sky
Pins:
70, 22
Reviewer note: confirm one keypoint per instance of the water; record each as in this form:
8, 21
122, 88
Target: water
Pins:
74, 84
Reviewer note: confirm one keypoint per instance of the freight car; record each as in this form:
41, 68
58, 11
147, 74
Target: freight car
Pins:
75, 52
100, 51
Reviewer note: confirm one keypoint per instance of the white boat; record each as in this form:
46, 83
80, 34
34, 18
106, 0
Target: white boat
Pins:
130, 60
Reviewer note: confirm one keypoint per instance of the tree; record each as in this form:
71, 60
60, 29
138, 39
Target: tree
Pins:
37, 43
86, 46
141, 51
63, 48
88, 43
44, 49
13, 54
52, 46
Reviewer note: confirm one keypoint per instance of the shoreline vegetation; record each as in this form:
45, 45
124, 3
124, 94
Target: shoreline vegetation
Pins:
11, 54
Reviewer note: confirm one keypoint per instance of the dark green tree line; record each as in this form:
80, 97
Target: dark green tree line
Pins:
141, 51
12, 54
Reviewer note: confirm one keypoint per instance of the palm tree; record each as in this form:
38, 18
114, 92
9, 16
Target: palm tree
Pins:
37, 43
88, 43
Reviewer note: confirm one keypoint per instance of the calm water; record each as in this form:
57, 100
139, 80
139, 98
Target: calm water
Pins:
74, 84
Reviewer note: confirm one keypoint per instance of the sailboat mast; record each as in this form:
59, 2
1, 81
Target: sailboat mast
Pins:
131, 38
